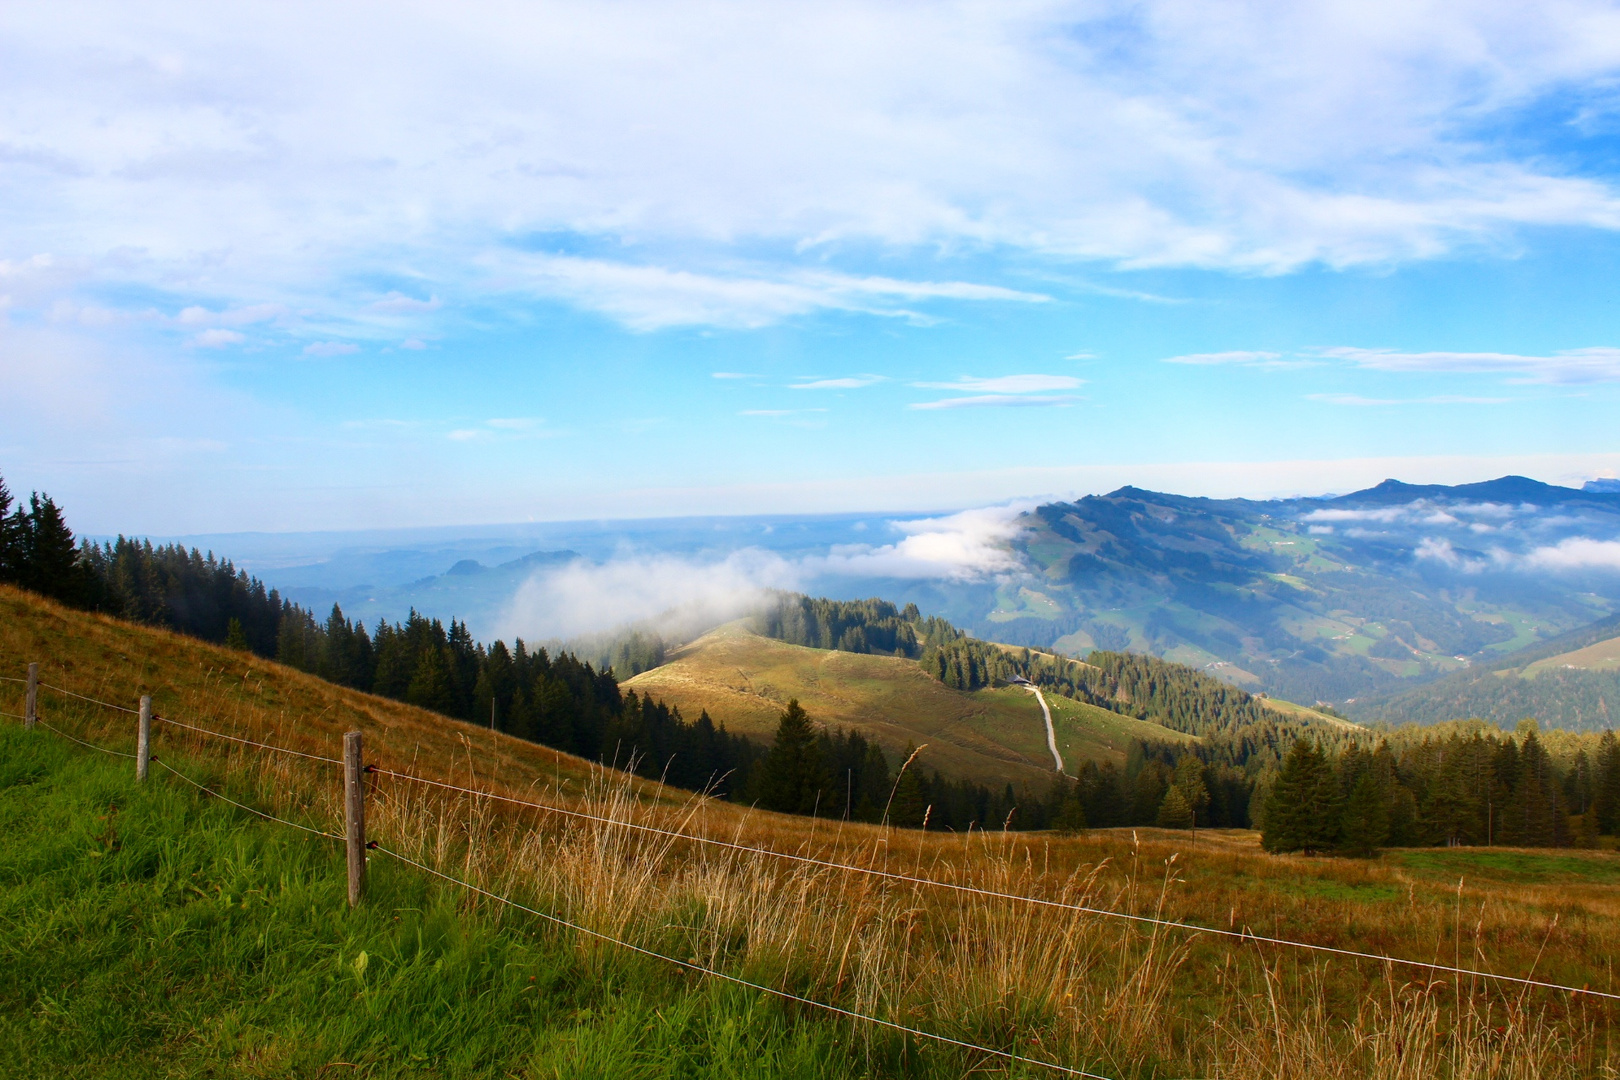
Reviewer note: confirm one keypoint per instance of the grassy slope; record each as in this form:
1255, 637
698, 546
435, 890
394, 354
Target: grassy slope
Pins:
126, 948
993, 736
144, 932
1603, 656
228, 691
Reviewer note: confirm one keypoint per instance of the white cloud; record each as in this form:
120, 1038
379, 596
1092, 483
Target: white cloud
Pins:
397, 303
1383, 513
1572, 366
1577, 553
331, 348
291, 150
1007, 384
413, 344
197, 315
1442, 551
583, 597
999, 401
967, 546
649, 297
1244, 357
853, 382
1439, 399
217, 338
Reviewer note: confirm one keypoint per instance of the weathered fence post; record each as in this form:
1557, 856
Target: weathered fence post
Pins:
354, 814
143, 740
31, 711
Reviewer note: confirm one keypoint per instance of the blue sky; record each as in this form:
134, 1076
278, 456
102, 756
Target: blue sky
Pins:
299, 266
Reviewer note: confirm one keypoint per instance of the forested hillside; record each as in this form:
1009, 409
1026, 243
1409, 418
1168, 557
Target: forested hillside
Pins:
1512, 687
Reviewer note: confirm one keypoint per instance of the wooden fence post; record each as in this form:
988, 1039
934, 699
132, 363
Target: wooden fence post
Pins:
143, 740
31, 711
354, 814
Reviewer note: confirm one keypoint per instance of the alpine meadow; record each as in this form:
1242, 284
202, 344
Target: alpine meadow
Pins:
858, 540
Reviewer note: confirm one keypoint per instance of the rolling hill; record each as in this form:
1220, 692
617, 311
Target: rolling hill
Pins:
992, 735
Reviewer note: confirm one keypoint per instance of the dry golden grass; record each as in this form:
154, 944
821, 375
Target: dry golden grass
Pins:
993, 736
1117, 998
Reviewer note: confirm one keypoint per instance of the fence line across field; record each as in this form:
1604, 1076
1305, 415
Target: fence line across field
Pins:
244, 806
1005, 1055
81, 742
1170, 924
247, 742
91, 700
1066, 1070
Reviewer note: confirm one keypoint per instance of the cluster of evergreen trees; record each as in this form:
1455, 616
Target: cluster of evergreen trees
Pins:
1172, 788
860, 626
1461, 789
37, 551
841, 775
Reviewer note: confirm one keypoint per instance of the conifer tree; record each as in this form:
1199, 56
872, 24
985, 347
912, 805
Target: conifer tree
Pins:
1365, 824
1302, 811
793, 777
1175, 812
1606, 784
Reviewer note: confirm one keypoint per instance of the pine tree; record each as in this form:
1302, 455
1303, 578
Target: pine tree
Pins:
1302, 811
51, 564
1606, 784
235, 636
1175, 812
12, 528
431, 686
1365, 824
793, 777
1191, 781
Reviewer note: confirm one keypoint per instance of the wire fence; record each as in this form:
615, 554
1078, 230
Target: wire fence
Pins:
246, 742
922, 1033
908, 879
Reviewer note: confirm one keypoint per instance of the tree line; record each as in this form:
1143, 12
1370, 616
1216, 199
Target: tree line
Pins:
860, 626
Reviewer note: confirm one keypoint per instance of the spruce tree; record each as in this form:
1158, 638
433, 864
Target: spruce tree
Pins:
1175, 812
1606, 784
1302, 811
793, 777
1365, 823
11, 534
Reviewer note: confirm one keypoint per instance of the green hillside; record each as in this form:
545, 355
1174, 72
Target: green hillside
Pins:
992, 735
1571, 682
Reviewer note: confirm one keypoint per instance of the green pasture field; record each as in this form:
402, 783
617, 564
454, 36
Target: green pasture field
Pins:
147, 931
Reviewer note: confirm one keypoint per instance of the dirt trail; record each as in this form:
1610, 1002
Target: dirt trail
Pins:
1051, 734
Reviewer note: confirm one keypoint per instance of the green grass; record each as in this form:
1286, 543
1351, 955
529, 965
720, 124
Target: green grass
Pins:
1510, 866
152, 932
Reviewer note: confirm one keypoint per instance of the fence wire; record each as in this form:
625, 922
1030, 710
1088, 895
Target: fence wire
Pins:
1170, 924
787, 995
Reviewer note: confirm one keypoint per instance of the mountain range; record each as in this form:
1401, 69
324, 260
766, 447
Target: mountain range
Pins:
1336, 599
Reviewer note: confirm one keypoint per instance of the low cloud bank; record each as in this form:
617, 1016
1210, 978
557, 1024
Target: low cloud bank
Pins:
679, 595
